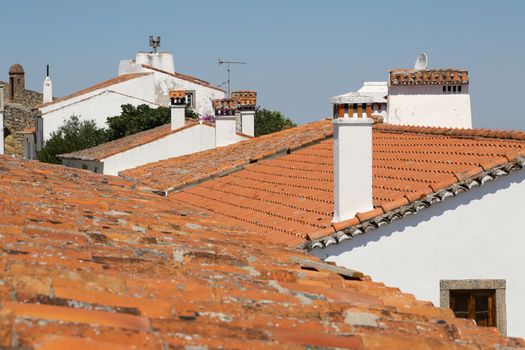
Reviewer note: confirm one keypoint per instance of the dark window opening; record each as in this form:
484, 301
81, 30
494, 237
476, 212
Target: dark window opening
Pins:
449, 88
444, 88
478, 305
459, 88
454, 88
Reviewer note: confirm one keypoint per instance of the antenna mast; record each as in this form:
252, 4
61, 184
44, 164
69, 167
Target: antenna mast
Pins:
154, 42
228, 68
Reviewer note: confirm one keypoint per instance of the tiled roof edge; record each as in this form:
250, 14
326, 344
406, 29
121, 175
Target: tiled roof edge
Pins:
453, 132
237, 167
365, 222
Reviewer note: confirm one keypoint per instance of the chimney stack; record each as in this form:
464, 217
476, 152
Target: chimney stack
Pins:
1, 120
352, 162
48, 88
177, 106
225, 121
247, 101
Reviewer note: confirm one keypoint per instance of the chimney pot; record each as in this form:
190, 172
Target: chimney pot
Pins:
177, 106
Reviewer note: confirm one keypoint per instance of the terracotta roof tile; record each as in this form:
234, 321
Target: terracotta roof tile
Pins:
428, 76
101, 85
89, 262
291, 194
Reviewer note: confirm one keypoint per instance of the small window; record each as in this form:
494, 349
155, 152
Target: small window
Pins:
479, 300
478, 305
84, 166
459, 88
444, 88
454, 88
190, 99
449, 88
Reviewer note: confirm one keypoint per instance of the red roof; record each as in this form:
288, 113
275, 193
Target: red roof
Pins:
289, 197
88, 261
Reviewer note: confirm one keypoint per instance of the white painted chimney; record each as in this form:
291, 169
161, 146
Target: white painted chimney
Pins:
352, 166
247, 101
177, 107
225, 121
47, 90
1, 120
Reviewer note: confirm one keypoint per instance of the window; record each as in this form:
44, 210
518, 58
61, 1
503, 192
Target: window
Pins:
449, 88
479, 305
190, 98
459, 88
454, 89
480, 300
444, 88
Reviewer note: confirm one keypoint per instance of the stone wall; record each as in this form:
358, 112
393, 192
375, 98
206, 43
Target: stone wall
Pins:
17, 117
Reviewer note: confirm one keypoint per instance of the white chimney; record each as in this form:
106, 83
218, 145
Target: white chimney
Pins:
352, 165
1, 120
247, 101
177, 106
225, 121
48, 88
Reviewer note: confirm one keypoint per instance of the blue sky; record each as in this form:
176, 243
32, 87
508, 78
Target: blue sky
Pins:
299, 53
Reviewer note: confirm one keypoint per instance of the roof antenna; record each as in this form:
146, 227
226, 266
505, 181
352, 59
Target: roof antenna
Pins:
228, 68
47, 70
154, 42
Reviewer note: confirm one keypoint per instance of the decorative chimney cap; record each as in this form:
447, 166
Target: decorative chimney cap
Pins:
225, 106
177, 93
246, 98
428, 77
16, 69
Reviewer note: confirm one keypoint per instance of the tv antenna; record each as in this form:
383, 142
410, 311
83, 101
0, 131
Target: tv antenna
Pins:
228, 68
154, 42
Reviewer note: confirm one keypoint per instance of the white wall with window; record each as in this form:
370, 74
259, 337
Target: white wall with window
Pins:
477, 235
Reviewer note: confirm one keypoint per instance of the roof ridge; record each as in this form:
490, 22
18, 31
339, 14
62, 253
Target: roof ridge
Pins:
453, 132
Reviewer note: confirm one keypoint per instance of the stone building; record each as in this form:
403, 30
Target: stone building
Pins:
18, 102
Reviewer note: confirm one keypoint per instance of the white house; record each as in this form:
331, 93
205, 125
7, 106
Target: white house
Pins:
145, 80
178, 138
418, 96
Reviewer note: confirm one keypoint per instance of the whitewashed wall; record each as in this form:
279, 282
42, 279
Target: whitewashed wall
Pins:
99, 105
203, 95
428, 105
191, 140
94, 166
477, 235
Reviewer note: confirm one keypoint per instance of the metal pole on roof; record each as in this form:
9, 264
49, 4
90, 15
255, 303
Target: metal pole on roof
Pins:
228, 68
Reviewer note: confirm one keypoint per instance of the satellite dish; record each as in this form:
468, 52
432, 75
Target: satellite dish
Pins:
421, 62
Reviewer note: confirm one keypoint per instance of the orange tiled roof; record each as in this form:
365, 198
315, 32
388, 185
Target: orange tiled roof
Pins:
89, 262
101, 85
125, 143
428, 76
174, 173
290, 198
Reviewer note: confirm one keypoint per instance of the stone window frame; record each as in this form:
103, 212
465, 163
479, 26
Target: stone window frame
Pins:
193, 101
498, 285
